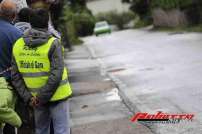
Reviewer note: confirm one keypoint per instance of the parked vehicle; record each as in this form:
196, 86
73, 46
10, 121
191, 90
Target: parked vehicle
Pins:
101, 27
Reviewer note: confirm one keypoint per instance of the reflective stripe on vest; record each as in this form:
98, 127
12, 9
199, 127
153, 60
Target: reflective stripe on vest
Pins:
34, 65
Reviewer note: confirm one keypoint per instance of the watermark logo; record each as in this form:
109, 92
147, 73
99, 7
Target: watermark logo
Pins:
161, 117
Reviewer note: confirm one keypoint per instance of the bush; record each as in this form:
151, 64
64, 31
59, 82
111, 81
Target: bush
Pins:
192, 8
77, 23
142, 23
67, 26
118, 19
84, 24
140, 7
73, 38
170, 4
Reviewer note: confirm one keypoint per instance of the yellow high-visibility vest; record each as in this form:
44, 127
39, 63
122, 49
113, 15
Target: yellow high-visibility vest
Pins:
34, 65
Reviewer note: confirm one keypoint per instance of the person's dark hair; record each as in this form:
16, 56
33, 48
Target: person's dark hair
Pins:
24, 15
39, 18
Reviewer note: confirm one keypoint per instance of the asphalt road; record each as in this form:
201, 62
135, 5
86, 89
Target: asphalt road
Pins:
162, 72
95, 106
102, 6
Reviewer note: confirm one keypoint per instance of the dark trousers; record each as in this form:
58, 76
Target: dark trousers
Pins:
8, 129
27, 116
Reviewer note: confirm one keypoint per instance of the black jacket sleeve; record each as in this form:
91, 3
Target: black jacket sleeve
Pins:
18, 82
56, 71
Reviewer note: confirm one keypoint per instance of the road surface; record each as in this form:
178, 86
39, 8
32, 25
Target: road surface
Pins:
104, 6
96, 107
161, 72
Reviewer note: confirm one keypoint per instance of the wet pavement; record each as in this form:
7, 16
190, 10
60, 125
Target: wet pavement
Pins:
96, 107
155, 71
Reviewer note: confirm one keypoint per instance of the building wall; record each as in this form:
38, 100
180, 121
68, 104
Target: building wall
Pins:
98, 6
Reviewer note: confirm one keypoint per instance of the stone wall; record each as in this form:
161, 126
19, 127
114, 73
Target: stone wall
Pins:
170, 18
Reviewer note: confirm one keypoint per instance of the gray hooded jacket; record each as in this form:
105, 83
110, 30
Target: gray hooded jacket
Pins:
24, 27
37, 38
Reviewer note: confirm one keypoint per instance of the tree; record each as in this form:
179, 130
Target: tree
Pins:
77, 2
140, 7
192, 8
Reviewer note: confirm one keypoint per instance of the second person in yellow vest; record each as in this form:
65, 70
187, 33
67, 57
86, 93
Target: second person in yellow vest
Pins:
40, 76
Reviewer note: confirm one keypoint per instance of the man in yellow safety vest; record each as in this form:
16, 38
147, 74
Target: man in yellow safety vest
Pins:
40, 77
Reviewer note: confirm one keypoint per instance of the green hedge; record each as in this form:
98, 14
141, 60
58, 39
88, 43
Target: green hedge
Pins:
170, 4
78, 21
84, 24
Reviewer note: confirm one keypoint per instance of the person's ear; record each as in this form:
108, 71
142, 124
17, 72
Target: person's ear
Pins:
13, 17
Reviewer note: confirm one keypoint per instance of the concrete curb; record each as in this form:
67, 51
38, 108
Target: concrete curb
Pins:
120, 86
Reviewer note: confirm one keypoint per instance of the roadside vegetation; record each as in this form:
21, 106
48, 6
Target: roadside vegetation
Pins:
118, 19
78, 20
192, 9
